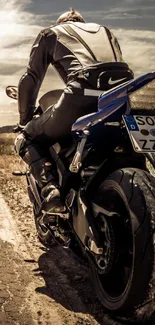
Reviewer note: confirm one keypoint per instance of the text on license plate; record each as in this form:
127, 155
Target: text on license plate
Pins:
141, 130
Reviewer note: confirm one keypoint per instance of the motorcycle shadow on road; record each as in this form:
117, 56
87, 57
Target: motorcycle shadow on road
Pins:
68, 283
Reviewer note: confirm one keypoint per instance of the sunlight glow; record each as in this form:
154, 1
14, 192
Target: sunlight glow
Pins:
8, 23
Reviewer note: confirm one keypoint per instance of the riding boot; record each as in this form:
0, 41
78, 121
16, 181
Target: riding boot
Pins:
42, 171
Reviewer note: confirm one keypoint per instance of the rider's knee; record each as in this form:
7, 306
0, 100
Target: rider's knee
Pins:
20, 144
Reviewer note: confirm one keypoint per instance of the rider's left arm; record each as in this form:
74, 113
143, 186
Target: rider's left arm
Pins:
29, 85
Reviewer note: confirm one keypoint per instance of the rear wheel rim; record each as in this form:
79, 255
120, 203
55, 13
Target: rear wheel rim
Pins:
115, 284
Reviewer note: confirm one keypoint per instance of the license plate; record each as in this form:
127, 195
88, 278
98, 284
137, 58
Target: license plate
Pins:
141, 130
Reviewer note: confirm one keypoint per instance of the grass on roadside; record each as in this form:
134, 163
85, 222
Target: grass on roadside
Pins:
7, 143
9, 160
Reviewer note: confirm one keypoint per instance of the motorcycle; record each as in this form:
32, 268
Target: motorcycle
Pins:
109, 194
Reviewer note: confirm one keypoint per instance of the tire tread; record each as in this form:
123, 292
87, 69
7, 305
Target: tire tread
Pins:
141, 188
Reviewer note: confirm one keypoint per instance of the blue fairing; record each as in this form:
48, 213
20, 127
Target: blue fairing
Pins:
111, 106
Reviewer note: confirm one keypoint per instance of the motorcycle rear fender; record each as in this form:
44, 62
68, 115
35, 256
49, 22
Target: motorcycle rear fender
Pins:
110, 165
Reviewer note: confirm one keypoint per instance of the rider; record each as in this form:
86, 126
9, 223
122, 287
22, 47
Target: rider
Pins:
88, 58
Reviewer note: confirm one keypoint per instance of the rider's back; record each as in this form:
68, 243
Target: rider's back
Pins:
70, 54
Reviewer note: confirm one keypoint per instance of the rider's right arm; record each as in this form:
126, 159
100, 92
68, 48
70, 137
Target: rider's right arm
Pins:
40, 57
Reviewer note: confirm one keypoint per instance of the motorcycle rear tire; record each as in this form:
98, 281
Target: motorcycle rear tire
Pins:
136, 189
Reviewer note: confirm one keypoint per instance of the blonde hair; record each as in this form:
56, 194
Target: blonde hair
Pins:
71, 15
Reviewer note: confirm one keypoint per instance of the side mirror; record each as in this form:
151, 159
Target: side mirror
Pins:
12, 92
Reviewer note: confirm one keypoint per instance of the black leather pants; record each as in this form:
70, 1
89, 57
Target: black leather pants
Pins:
54, 125
57, 120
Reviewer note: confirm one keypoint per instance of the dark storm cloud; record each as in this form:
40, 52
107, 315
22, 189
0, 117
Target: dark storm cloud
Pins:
119, 14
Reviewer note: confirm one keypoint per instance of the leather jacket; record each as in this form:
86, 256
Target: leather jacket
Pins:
67, 54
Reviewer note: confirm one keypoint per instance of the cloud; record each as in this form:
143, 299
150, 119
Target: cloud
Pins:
124, 14
15, 36
138, 49
19, 27
18, 30
9, 69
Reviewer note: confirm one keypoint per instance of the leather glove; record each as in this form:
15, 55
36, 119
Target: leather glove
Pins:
18, 128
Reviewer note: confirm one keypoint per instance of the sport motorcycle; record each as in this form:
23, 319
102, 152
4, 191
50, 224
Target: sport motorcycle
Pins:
105, 171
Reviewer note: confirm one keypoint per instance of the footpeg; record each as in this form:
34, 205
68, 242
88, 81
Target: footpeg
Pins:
50, 217
18, 173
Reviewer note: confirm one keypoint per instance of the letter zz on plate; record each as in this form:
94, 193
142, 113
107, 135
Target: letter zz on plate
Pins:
141, 130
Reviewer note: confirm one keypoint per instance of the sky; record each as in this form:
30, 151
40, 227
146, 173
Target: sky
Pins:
132, 22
